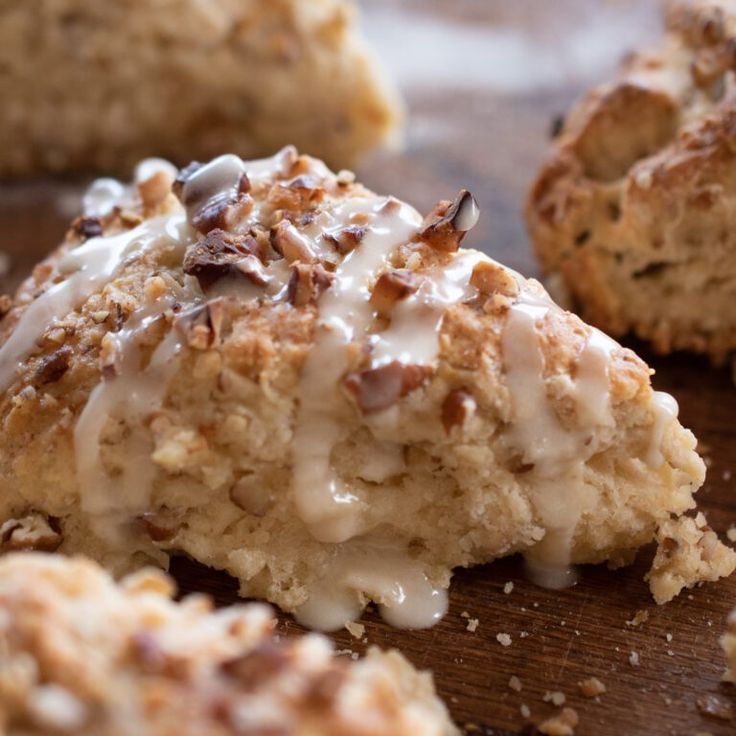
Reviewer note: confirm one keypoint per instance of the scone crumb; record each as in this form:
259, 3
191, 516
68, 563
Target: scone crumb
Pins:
634, 659
714, 707
508, 587
668, 636
639, 618
592, 687
515, 683
472, 624
731, 534
556, 697
356, 629
504, 640
563, 724
524, 710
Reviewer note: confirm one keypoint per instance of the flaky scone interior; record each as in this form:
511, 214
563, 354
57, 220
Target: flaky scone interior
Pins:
83, 655
634, 208
272, 369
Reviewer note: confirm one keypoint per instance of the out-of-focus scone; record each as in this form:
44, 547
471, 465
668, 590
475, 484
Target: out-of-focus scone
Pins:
635, 208
90, 85
316, 389
83, 655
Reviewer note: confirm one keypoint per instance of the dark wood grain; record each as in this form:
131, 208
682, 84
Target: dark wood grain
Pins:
490, 140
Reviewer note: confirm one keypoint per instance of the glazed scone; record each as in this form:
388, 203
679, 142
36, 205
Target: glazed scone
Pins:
635, 207
285, 376
89, 85
83, 655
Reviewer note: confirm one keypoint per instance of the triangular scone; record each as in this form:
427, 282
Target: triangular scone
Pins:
634, 208
314, 388
101, 85
83, 655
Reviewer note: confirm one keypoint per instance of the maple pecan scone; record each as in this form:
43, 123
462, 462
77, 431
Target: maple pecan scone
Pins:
634, 208
98, 85
84, 655
283, 375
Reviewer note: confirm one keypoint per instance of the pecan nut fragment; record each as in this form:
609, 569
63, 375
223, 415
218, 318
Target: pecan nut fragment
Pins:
87, 227
202, 325
160, 526
258, 666
291, 244
220, 254
54, 366
456, 408
377, 389
391, 287
347, 239
307, 283
447, 224
491, 278
31, 532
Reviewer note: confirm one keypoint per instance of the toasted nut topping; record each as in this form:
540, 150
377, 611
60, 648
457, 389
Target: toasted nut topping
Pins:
391, 287
298, 194
221, 254
202, 325
154, 190
289, 242
379, 388
448, 222
346, 239
87, 227
307, 283
54, 366
251, 670
491, 278
31, 532
456, 408
184, 175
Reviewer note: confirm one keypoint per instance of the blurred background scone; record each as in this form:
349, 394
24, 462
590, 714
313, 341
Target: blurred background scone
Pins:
90, 85
83, 655
636, 208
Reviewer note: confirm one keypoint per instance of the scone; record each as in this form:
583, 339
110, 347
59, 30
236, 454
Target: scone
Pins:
283, 375
634, 209
100, 85
83, 655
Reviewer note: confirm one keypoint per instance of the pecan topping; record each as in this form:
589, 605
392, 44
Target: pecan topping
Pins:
448, 222
184, 175
202, 325
221, 212
392, 287
347, 239
87, 227
32, 532
307, 283
160, 526
491, 278
154, 190
456, 408
300, 193
220, 254
379, 388
54, 366
289, 242
257, 666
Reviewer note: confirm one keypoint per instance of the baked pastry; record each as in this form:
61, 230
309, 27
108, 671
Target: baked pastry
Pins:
97, 85
83, 655
288, 377
634, 208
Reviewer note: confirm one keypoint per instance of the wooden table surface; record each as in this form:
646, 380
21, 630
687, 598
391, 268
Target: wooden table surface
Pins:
483, 79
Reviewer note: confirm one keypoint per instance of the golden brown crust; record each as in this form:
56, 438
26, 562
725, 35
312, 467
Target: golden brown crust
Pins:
635, 204
82, 655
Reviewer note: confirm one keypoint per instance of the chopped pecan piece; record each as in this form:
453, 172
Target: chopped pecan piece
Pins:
202, 325
32, 532
491, 278
347, 239
257, 666
160, 526
307, 283
456, 408
379, 388
291, 244
447, 224
184, 175
87, 227
220, 254
154, 190
300, 193
54, 366
221, 212
392, 287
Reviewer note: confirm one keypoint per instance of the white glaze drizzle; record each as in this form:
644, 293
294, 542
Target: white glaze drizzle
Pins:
330, 509
102, 196
381, 571
666, 411
132, 394
87, 269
